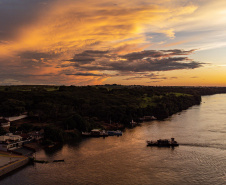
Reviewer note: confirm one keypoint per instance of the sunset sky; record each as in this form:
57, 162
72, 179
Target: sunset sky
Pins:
145, 42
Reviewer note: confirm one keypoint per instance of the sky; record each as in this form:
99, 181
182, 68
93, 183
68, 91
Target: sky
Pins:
127, 42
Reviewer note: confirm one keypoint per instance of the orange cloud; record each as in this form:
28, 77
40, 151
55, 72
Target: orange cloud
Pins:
175, 43
72, 25
69, 27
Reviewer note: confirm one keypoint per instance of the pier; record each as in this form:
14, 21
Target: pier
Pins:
10, 162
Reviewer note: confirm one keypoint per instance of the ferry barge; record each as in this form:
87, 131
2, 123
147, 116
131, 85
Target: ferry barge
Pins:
163, 143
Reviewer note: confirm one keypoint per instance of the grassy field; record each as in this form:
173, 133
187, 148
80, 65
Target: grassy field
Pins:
150, 101
29, 88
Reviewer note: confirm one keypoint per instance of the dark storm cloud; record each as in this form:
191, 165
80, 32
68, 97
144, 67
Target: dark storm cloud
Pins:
156, 81
156, 54
151, 76
88, 56
144, 61
33, 59
178, 52
154, 78
26, 67
165, 64
94, 52
27, 75
37, 55
86, 74
134, 78
143, 54
82, 59
15, 14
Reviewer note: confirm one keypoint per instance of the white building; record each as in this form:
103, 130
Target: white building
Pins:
10, 141
4, 122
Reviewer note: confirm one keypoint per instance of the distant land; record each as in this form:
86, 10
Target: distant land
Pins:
65, 111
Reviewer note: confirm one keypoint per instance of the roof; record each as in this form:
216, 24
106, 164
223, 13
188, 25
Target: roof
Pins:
95, 130
3, 120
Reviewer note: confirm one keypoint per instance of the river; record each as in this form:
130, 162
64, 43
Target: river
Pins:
200, 158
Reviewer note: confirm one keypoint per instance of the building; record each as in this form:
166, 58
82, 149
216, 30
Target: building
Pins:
10, 142
4, 122
37, 135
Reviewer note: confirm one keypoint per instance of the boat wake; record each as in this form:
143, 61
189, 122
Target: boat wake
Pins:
206, 145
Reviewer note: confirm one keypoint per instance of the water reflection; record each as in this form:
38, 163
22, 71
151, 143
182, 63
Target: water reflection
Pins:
200, 158
50, 152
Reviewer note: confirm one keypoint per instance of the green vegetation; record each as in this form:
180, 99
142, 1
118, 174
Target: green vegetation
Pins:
64, 108
2, 131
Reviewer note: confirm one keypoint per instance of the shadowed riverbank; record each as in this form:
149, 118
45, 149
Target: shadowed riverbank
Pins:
200, 130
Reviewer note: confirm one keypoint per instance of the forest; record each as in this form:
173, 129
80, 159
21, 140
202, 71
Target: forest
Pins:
58, 109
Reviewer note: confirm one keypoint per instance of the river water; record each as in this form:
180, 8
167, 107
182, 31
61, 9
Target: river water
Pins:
200, 158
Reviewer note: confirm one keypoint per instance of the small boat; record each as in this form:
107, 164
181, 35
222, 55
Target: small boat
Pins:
86, 133
118, 133
163, 143
95, 133
111, 133
61, 160
115, 133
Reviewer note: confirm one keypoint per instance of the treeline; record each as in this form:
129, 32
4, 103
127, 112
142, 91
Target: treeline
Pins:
87, 107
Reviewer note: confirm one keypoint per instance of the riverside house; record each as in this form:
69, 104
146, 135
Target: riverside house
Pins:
10, 142
4, 122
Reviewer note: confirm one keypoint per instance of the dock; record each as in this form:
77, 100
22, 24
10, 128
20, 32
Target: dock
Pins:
10, 162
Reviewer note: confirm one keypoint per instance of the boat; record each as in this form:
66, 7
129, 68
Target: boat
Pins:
163, 143
147, 118
61, 160
133, 123
118, 133
95, 133
86, 134
115, 133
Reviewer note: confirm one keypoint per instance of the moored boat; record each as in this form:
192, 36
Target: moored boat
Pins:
95, 133
118, 133
114, 133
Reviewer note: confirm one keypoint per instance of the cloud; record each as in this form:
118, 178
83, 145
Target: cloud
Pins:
11, 82
151, 76
16, 14
143, 61
156, 81
65, 26
174, 77
86, 74
37, 55
93, 40
88, 56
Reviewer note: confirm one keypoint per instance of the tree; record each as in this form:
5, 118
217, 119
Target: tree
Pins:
2, 131
25, 127
53, 134
12, 107
12, 129
76, 122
